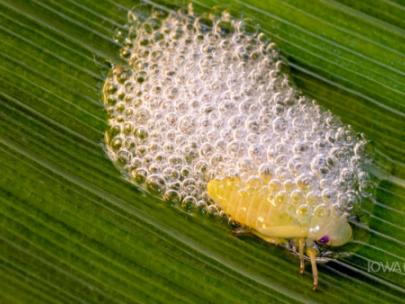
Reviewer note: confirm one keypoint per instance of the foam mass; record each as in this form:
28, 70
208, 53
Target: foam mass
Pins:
200, 98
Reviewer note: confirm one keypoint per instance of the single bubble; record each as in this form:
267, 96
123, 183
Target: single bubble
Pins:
188, 202
266, 169
213, 210
116, 143
140, 175
280, 198
303, 211
289, 185
141, 133
296, 197
156, 183
275, 185
124, 157
321, 211
319, 165
304, 181
172, 196
311, 198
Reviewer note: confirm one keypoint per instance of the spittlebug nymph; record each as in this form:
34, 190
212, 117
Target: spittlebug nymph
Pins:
275, 218
203, 114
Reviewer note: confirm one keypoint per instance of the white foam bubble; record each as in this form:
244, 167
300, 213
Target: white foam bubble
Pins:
202, 99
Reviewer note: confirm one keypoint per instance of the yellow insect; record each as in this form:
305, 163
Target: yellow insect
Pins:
202, 106
277, 215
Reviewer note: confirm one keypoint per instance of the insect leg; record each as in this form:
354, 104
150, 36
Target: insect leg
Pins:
311, 252
301, 244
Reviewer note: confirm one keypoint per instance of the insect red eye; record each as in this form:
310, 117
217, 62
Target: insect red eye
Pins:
324, 239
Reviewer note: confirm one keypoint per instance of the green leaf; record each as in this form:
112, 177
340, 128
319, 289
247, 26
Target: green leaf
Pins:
74, 231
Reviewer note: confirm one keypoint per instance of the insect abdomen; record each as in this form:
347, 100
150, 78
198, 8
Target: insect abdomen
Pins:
249, 208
